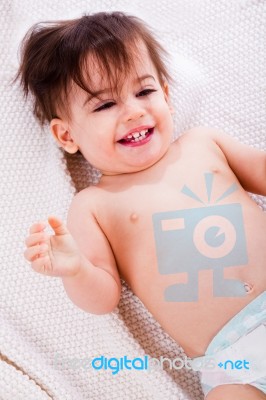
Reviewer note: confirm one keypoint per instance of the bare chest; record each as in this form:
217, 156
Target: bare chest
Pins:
176, 235
175, 214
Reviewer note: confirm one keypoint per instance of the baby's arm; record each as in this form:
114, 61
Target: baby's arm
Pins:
97, 288
83, 259
247, 163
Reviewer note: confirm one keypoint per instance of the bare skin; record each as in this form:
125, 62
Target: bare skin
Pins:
128, 226
233, 392
124, 214
110, 233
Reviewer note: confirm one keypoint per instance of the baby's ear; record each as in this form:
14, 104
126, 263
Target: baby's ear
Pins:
59, 129
165, 87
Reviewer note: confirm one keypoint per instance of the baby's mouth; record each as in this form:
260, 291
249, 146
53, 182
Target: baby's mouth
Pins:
137, 136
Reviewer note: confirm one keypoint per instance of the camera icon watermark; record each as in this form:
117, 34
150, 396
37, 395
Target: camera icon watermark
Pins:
207, 237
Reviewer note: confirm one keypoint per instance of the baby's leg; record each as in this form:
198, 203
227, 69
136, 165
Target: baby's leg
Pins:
234, 392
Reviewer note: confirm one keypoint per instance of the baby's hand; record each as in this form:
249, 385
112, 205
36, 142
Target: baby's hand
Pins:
55, 255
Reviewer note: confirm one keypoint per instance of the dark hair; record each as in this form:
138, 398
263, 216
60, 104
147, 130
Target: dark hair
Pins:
55, 54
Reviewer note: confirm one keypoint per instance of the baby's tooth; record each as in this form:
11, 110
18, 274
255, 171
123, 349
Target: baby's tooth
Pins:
135, 135
143, 133
129, 137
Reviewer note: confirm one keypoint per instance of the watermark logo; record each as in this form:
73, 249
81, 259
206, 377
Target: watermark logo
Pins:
209, 237
118, 364
148, 364
230, 364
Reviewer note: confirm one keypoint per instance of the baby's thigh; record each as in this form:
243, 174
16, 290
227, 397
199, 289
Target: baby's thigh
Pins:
234, 392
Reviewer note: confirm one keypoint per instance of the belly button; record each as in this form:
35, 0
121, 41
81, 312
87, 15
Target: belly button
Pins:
248, 287
134, 217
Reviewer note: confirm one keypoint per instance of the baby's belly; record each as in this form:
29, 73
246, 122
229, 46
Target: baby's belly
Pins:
193, 283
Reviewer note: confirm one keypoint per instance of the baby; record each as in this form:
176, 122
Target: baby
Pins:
173, 219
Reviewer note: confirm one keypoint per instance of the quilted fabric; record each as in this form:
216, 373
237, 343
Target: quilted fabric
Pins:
217, 57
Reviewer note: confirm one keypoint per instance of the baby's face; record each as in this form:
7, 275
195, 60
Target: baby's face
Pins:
125, 132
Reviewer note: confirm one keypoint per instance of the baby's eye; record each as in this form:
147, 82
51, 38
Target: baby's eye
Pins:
146, 92
105, 106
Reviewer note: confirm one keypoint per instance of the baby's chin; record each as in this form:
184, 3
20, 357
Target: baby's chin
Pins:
132, 169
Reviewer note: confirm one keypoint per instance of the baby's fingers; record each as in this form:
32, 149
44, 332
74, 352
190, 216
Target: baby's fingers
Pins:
34, 252
37, 227
57, 225
36, 238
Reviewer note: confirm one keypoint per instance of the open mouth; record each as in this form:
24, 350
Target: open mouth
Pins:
136, 138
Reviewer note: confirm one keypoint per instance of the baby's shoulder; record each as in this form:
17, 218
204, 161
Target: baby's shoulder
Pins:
202, 142
200, 133
85, 199
201, 137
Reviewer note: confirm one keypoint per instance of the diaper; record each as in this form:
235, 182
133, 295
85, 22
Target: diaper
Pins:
237, 354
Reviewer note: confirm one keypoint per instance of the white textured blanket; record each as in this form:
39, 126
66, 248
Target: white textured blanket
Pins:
218, 60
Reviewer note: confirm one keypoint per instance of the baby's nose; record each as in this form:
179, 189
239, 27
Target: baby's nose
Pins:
133, 111
135, 116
